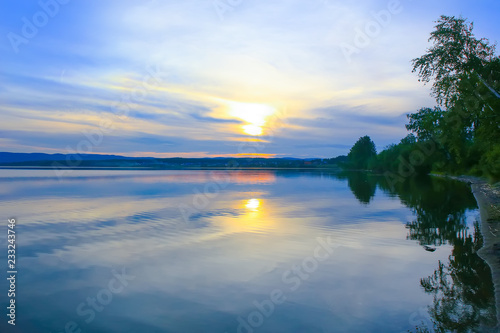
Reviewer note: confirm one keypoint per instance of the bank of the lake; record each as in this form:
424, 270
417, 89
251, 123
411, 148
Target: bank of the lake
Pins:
488, 200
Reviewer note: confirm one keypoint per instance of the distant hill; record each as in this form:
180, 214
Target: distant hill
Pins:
36, 157
116, 161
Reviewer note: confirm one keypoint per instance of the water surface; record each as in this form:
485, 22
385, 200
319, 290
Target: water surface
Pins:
243, 251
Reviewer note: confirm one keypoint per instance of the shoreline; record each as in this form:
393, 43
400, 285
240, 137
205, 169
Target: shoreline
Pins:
487, 200
159, 169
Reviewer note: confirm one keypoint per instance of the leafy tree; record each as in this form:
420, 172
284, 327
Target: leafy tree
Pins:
362, 153
410, 139
464, 129
456, 54
466, 81
491, 162
426, 123
409, 155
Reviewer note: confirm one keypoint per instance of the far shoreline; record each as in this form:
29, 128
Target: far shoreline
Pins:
167, 169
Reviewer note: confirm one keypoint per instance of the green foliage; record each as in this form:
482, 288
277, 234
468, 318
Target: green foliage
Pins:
410, 139
456, 54
426, 123
466, 75
465, 134
408, 157
491, 163
464, 130
362, 153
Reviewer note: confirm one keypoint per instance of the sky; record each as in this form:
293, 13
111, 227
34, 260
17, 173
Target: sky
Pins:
207, 78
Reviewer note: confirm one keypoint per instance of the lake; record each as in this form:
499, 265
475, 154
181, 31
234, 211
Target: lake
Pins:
243, 251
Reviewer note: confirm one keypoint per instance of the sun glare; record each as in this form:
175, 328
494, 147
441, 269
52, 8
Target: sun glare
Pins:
253, 204
252, 129
255, 115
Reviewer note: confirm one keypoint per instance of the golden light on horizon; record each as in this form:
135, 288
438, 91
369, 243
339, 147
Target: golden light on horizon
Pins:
255, 115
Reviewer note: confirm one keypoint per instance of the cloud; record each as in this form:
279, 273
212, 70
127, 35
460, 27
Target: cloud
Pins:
176, 64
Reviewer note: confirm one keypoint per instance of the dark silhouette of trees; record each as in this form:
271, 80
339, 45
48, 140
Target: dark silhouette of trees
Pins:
456, 55
426, 124
362, 153
466, 81
465, 126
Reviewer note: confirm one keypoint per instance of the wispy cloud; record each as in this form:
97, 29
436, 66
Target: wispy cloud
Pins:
279, 53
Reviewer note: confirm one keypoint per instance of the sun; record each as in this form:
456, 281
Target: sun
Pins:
255, 116
253, 130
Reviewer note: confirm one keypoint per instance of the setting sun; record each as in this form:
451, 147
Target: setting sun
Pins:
255, 115
252, 130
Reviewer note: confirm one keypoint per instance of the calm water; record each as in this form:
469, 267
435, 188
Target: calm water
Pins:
242, 251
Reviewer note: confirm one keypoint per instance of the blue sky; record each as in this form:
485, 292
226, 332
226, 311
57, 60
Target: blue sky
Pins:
215, 78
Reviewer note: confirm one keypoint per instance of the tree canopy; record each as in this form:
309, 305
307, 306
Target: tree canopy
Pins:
362, 153
466, 74
456, 55
462, 133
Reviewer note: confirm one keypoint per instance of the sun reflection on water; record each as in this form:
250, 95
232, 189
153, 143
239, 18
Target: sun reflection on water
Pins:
253, 204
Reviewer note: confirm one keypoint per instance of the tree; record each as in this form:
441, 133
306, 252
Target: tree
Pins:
410, 139
449, 133
456, 55
362, 153
466, 81
426, 123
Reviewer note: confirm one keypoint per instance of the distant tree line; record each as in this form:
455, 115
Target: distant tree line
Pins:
462, 133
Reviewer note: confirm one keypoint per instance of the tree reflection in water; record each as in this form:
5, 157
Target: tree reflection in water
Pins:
361, 184
463, 290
